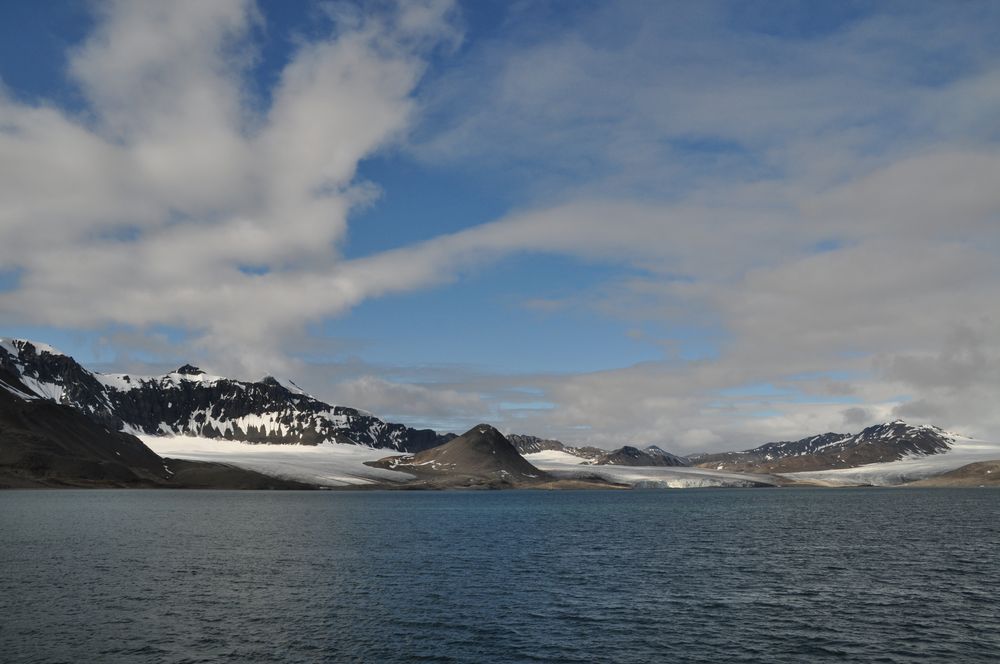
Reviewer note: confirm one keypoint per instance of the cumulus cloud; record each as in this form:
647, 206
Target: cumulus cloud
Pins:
178, 197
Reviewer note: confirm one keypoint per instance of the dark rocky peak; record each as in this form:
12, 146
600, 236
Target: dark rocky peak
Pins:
658, 451
57, 377
900, 429
906, 438
189, 370
630, 455
485, 430
485, 437
526, 444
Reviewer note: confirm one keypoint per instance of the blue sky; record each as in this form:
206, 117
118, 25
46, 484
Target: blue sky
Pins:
699, 225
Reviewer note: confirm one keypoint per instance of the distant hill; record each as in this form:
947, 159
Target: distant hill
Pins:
526, 444
633, 456
480, 456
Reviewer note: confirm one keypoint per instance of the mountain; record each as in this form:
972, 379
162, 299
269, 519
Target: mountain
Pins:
480, 456
46, 442
43, 443
891, 441
633, 456
623, 456
190, 402
533, 444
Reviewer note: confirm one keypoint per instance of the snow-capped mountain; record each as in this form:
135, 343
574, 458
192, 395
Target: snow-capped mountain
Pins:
623, 456
633, 456
891, 441
190, 402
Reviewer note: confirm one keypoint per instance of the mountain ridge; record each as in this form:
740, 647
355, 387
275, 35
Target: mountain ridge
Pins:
190, 402
48, 444
879, 443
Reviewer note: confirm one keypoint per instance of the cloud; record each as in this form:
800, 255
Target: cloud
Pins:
856, 417
143, 208
659, 98
410, 402
824, 207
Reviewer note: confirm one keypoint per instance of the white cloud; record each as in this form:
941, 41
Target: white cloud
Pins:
411, 402
839, 217
144, 209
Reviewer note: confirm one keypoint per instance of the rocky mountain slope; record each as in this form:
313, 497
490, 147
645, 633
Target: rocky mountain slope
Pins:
633, 456
526, 444
891, 441
47, 444
623, 456
482, 455
979, 474
44, 442
190, 402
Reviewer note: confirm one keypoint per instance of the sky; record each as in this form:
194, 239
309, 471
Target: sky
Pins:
698, 225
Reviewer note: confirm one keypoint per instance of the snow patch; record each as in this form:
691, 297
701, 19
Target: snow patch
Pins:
8, 345
44, 348
291, 387
18, 393
49, 391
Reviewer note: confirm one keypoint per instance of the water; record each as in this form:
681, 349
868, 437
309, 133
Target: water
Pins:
641, 576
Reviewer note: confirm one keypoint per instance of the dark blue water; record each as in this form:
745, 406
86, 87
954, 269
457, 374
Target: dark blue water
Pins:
642, 576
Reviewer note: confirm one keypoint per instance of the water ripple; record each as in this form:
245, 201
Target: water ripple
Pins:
861, 575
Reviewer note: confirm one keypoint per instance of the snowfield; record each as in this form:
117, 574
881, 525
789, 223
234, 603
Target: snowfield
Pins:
328, 464
568, 466
963, 451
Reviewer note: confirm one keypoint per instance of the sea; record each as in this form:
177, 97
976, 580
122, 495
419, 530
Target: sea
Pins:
703, 575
